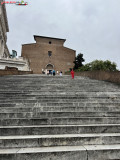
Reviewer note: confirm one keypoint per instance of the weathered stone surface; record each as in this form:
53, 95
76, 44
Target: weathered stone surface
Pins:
59, 140
47, 153
56, 118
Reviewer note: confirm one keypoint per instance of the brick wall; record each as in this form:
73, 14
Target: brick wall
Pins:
37, 53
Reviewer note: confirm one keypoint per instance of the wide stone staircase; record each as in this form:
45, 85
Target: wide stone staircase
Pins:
57, 118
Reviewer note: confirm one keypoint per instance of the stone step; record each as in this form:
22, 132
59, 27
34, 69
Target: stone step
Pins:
72, 93
66, 97
60, 101
74, 90
61, 88
49, 98
53, 99
18, 109
59, 140
49, 79
77, 104
86, 152
89, 94
37, 114
52, 92
53, 82
83, 102
88, 108
56, 85
59, 121
59, 129
75, 114
61, 104
31, 97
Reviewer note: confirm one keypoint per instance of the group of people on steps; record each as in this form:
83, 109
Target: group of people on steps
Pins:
72, 73
59, 73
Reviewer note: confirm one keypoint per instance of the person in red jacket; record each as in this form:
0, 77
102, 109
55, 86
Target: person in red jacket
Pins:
72, 74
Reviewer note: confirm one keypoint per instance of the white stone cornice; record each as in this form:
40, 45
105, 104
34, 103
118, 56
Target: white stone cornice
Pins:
17, 63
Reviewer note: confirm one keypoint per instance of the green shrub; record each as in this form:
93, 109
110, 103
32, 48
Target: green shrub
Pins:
99, 65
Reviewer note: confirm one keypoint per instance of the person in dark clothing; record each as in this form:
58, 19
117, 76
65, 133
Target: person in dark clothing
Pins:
53, 72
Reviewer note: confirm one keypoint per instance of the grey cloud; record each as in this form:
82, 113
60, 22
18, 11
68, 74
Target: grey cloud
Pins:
90, 26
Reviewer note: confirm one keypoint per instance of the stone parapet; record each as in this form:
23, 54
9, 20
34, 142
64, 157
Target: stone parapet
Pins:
20, 63
100, 75
14, 72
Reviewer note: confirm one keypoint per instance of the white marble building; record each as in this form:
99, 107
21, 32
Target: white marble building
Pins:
4, 52
19, 63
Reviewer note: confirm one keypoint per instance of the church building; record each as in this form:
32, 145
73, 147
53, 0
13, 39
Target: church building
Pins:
48, 54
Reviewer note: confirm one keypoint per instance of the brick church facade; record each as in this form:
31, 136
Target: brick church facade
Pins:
48, 54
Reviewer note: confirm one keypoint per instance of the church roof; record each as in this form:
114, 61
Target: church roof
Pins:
35, 36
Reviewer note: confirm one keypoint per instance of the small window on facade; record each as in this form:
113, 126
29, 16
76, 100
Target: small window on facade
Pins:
49, 53
50, 42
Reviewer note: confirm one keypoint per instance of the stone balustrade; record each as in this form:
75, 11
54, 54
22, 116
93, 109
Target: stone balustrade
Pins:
20, 63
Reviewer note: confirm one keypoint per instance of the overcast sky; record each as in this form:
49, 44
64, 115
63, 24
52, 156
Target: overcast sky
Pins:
91, 27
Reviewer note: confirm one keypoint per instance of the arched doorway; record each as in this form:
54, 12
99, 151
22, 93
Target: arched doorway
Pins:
49, 68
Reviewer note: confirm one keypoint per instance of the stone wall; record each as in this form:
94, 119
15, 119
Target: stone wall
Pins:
14, 72
100, 75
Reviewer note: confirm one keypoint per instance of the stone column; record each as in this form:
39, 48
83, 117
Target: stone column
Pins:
1, 48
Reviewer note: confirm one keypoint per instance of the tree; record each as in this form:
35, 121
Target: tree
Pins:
78, 61
99, 65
